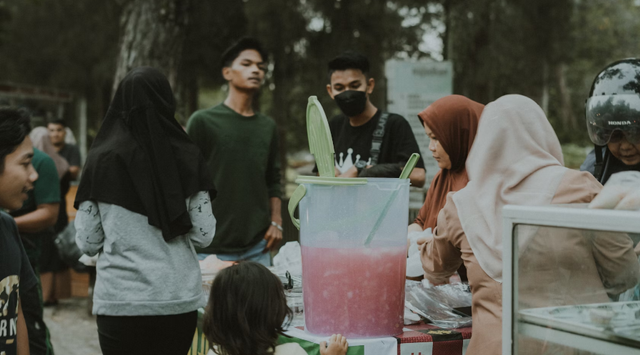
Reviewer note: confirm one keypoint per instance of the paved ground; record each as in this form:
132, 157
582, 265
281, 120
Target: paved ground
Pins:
73, 329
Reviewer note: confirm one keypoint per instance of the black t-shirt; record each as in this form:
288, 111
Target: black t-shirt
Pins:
15, 274
353, 144
614, 165
71, 154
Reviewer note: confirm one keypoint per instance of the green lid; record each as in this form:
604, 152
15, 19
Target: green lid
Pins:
321, 180
320, 142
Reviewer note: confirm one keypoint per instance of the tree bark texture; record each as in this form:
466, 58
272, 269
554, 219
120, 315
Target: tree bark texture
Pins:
152, 34
569, 122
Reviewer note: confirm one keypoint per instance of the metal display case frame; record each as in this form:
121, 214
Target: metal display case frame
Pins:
561, 216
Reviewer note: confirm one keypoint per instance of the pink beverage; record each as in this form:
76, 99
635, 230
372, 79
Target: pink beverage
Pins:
357, 292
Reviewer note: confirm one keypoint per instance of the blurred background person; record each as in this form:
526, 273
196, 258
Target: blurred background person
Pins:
70, 152
51, 265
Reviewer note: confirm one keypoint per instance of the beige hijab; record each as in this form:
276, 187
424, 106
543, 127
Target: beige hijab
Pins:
516, 159
40, 138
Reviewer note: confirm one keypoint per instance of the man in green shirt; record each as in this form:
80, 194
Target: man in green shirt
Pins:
241, 149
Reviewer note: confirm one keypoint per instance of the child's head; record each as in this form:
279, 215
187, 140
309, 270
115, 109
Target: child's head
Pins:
247, 308
16, 172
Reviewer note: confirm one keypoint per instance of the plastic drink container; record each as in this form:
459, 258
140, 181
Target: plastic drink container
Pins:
349, 287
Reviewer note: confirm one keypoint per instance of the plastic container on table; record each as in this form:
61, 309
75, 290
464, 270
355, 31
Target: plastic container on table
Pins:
353, 236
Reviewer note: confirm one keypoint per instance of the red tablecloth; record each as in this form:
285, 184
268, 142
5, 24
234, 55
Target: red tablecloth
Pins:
427, 339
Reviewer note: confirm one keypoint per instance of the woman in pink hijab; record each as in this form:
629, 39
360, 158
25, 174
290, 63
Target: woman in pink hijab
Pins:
516, 159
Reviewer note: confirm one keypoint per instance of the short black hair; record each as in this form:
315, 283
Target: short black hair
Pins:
348, 60
15, 125
59, 121
241, 45
246, 311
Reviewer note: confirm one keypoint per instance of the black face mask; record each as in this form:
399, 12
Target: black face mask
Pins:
351, 102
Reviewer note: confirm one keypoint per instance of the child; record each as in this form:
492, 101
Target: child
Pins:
16, 178
246, 311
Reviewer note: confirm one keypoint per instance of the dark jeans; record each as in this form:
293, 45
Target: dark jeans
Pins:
169, 335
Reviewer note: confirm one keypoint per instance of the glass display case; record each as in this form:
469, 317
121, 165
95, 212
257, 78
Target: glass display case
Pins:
570, 280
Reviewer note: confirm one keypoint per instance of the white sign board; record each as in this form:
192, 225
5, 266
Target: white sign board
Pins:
411, 87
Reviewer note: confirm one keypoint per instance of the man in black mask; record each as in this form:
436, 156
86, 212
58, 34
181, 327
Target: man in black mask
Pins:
367, 141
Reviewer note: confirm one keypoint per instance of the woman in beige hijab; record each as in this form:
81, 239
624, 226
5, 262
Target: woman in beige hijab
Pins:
517, 159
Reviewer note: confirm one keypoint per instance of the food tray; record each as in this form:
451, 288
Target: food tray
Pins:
613, 321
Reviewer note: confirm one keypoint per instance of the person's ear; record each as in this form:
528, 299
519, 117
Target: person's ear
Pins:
329, 91
371, 83
226, 73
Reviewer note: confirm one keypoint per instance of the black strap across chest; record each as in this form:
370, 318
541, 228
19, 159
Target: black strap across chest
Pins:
376, 142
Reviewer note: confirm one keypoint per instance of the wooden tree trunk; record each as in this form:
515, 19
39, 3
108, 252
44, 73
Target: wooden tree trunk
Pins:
152, 34
569, 122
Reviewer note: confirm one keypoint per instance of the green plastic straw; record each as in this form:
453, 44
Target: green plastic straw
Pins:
408, 168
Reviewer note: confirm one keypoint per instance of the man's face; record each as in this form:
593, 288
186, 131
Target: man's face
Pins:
626, 152
57, 133
247, 71
349, 79
18, 176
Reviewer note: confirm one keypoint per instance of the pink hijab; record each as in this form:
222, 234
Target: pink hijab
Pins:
40, 139
516, 159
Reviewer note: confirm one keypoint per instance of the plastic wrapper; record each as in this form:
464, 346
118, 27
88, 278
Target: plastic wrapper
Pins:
455, 295
287, 265
621, 192
437, 304
289, 258
414, 264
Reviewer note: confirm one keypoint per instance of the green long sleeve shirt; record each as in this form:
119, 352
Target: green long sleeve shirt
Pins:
242, 155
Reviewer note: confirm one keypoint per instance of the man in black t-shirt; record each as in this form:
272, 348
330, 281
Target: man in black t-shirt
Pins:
70, 152
359, 150
16, 275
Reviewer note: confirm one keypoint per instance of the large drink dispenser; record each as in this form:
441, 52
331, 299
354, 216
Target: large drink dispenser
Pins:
353, 234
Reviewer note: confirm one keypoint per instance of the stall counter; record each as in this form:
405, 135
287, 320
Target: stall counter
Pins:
419, 339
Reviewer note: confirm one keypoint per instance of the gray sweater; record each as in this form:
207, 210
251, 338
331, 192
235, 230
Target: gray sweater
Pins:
138, 272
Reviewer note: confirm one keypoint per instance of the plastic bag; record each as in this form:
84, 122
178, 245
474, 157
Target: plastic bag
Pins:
287, 265
621, 192
289, 258
414, 264
435, 303
68, 249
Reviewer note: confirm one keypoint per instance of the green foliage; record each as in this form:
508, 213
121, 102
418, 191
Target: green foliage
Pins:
303, 36
602, 32
574, 155
549, 50
64, 44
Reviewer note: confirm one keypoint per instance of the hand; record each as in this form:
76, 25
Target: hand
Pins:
422, 242
336, 172
337, 346
621, 192
273, 238
352, 172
